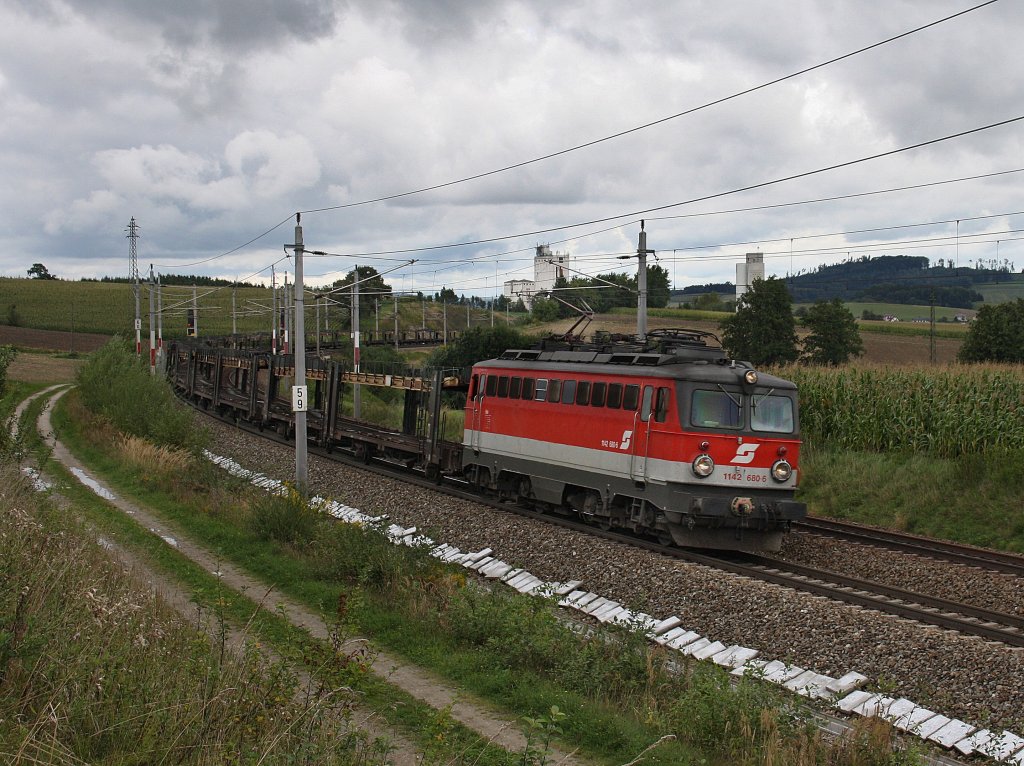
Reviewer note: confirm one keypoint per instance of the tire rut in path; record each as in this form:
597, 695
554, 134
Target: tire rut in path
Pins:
410, 679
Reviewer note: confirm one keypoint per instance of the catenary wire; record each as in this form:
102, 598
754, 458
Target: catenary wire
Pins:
644, 126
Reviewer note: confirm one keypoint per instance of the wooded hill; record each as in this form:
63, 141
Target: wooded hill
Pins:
886, 279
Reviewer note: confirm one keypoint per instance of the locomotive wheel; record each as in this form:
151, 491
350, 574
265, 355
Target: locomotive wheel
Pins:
525, 488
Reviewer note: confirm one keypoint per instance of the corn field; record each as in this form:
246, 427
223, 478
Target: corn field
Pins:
948, 412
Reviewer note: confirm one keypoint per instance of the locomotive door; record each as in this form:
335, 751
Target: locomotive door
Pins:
476, 401
638, 443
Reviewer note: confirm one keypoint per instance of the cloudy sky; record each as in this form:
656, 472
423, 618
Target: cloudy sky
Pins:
211, 122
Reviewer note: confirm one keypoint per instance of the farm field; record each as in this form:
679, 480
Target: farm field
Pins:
888, 348
907, 312
108, 308
1003, 291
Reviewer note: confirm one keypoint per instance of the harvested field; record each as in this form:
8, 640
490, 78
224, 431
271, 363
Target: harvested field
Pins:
51, 340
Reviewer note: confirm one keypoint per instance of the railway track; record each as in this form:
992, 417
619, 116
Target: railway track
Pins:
948, 615
942, 550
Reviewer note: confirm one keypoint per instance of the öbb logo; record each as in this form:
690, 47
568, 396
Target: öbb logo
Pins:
745, 454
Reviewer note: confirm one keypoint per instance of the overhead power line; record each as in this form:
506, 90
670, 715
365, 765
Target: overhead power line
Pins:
659, 121
597, 141
717, 195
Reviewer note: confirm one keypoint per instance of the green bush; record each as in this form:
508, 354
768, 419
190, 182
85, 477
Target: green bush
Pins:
118, 385
7, 354
286, 518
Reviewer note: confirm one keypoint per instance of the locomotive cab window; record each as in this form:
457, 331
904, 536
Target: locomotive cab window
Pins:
771, 413
716, 409
503, 386
492, 385
474, 387
661, 407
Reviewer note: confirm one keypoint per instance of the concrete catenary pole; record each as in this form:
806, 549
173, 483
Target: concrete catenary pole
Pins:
273, 311
152, 322
195, 311
299, 395
396, 321
641, 283
287, 316
444, 310
357, 399
159, 321
234, 311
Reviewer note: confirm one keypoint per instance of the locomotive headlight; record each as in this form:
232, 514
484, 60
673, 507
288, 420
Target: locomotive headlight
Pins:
781, 471
703, 466
750, 377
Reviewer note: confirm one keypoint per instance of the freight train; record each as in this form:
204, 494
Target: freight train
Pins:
667, 438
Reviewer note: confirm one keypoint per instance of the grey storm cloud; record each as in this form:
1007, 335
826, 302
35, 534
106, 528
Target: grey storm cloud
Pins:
241, 25
211, 122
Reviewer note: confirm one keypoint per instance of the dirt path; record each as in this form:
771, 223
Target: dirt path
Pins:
414, 681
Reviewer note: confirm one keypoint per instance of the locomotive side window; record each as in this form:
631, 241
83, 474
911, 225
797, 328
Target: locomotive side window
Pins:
554, 390
597, 397
630, 398
528, 388
615, 395
771, 413
503, 386
492, 385
661, 407
568, 391
716, 409
583, 392
541, 391
515, 388
645, 410
474, 386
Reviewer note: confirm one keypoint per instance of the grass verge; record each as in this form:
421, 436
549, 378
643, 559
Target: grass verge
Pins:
973, 499
613, 699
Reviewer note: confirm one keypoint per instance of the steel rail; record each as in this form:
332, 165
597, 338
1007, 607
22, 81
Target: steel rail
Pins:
949, 615
959, 553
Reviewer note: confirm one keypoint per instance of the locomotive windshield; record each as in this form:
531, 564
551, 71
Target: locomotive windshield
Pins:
771, 413
716, 409
722, 408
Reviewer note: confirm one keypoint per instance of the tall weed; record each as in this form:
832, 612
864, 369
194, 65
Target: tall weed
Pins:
95, 670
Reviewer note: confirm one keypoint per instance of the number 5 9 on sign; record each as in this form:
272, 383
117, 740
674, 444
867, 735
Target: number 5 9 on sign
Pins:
299, 394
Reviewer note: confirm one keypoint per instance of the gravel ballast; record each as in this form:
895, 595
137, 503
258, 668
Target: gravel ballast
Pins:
965, 677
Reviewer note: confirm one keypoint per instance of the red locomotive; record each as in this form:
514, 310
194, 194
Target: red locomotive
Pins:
669, 438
